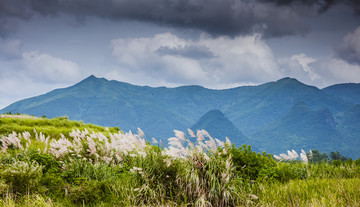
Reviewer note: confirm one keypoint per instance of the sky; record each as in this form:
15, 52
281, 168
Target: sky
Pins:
218, 44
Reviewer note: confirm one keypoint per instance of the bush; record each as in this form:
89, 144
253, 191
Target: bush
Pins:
285, 172
21, 177
248, 164
49, 163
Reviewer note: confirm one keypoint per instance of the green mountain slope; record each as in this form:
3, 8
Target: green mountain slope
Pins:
111, 103
107, 103
158, 111
349, 128
274, 101
349, 92
301, 128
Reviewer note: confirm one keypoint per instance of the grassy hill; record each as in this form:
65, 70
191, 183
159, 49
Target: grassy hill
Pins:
49, 127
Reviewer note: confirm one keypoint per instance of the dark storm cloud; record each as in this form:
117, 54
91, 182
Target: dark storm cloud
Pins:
218, 17
349, 48
193, 52
322, 5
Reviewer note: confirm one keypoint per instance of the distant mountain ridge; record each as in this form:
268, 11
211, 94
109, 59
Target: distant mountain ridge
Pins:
349, 92
281, 109
302, 128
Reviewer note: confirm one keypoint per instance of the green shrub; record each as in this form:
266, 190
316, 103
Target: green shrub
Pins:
21, 177
251, 165
156, 175
285, 172
49, 163
206, 179
86, 192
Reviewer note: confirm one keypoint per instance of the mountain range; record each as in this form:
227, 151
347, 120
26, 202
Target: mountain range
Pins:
272, 117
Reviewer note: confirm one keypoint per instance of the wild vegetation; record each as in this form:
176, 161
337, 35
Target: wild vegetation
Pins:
105, 167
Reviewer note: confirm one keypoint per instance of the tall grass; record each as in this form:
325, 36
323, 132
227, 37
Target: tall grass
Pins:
310, 192
90, 168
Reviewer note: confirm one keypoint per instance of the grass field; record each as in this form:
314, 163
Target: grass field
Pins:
69, 163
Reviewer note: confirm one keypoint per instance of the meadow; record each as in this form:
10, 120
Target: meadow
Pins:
58, 162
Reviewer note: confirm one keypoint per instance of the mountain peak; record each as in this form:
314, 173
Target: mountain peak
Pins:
91, 80
214, 113
219, 126
91, 77
288, 80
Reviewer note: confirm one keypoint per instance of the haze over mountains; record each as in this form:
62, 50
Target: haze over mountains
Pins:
274, 117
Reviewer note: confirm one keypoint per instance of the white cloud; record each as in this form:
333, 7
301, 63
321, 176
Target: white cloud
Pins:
211, 62
334, 70
319, 72
33, 73
304, 61
299, 66
16, 85
46, 68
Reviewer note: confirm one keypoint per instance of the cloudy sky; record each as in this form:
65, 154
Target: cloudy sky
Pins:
48, 44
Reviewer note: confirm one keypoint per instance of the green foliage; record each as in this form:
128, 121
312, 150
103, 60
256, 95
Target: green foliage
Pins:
146, 176
285, 172
249, 164
337, 156
157, 177
312, 192
317, 157
210, 180
20, 176
49, 163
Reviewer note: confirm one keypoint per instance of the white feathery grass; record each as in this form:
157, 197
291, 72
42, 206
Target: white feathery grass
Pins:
220, 143
292, 155
140, 132
60, 147
303, 157
191, 133
11, 140
228, 142
310, 155
135, 169
180, 135
277, 157
92, 146
200, 136
176, 144
173, 139
107, 149
295, 154
154, 141
177, 149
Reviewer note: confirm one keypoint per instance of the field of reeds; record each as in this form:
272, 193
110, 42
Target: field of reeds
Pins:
57, 162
